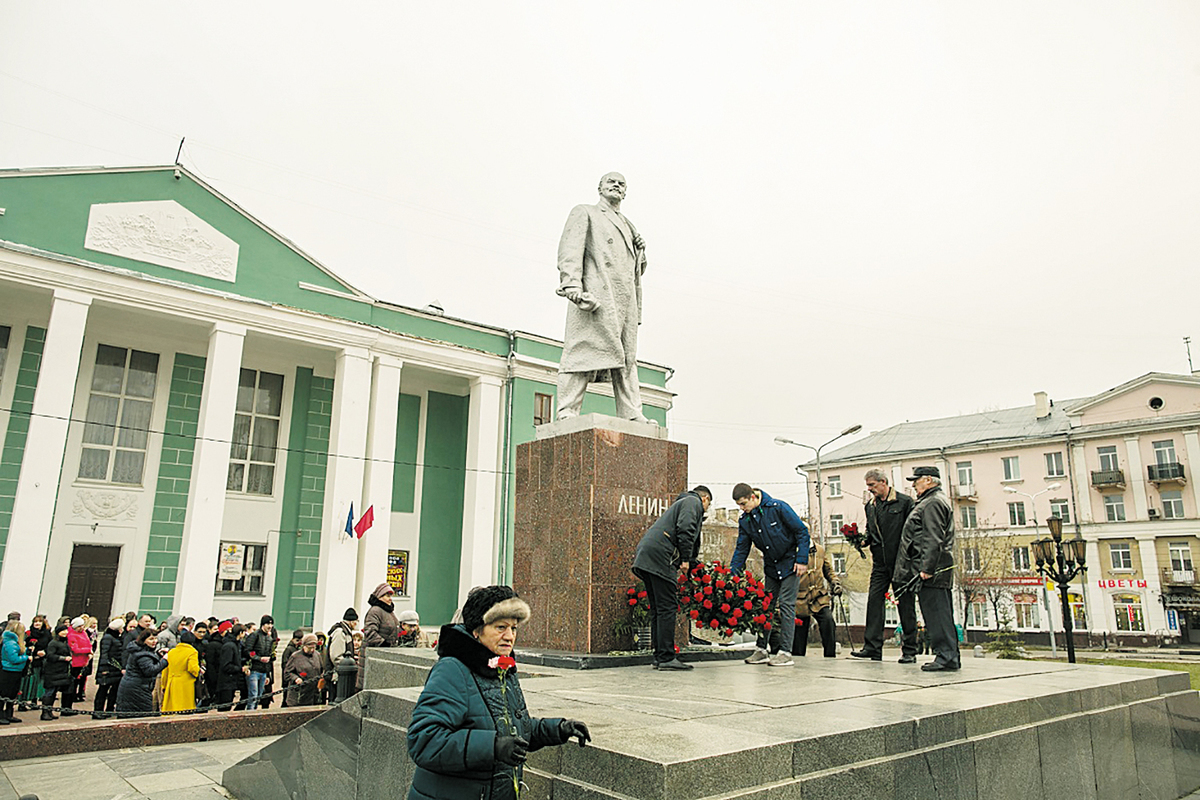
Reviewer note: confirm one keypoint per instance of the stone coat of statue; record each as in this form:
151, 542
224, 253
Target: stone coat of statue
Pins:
601, 258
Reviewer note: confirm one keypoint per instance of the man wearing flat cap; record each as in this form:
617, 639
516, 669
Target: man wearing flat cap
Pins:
926, 545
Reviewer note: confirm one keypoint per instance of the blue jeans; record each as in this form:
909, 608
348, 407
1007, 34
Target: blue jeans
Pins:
255, 683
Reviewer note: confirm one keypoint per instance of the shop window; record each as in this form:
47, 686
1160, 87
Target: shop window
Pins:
1128, 609
1026, 611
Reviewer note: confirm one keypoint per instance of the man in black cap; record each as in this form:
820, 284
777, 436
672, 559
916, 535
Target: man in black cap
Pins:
672, 542
886, 512
926, 561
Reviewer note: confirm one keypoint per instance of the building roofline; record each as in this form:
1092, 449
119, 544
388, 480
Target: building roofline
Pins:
1080, 406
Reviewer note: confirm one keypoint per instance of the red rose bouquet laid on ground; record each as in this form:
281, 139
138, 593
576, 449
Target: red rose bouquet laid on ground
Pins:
715, 598
637, 604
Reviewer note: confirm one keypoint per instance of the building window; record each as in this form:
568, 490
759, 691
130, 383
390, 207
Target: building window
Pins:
971, 562
1078, 611
977, 612
543, 408
1172, 504
1181, 557
1114, 507
1122, 558
1012, 468
1108, 459
255, 433
966, 475
1021, 559
966, 515
1128, 608
835, 485
1062, 510
1026, 608
839, 563
835, 523
1054, 465
1016, 513
1164, 452
240, 568
118, 416
4, 333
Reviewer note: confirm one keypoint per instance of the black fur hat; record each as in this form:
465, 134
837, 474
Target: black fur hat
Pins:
490, 603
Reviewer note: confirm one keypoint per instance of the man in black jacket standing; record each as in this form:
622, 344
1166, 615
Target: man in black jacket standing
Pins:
886, 512
673, 542
926, 558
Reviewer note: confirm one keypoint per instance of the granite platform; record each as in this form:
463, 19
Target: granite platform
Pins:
825, 728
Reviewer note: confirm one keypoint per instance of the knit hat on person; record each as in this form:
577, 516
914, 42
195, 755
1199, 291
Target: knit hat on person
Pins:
224, 627
59, 629
350, 616
490, 603
309, 638
117, 624
78, 622
383, 589
409, 616
267, 619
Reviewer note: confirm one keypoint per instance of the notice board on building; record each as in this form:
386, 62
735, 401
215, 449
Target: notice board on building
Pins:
397, 571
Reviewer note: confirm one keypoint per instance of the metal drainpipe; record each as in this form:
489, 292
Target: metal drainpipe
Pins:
505, 472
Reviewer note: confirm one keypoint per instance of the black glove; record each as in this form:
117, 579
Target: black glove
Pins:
573, 728
511, 750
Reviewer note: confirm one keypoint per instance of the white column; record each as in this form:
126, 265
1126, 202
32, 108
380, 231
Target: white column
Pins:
1137, 478
1083, 485
1100, 608
1191, 443
478, 565
337, 571
210, 472
41, 464
1152, 609
377, 479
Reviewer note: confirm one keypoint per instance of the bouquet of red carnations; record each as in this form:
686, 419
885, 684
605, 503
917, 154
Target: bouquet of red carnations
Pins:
715, 598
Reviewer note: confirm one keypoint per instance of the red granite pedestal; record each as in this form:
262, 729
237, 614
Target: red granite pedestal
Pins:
586, 493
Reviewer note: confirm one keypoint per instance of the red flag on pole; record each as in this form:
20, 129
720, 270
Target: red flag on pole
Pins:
368, 519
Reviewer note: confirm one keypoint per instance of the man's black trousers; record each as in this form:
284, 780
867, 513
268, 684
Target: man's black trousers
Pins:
664, 602
937, 608
824, 619
881, 579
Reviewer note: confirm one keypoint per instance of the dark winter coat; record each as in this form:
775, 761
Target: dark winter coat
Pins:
305, 667
212, 661
230, 664
672, 539
380, 626
452, 735
885, 521
36, 640
779, 534
56, 670
109, 663
258, 644
927, 541
135, 693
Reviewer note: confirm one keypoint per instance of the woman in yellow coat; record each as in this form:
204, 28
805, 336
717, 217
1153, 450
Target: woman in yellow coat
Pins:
179, 679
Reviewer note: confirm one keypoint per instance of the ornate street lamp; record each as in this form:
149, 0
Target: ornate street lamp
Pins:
1060, 562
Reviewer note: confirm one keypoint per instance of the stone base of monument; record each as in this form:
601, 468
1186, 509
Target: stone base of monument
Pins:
587, 488
826, 728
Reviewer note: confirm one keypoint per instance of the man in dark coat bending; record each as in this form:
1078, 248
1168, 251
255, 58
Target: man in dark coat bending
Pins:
673, 542
926, 559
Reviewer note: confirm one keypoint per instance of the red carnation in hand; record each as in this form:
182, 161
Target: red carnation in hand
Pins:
631, 592
641, 594
633, 601
724, 608
694, 614
505, 662
708, 603
676, 648
714, 624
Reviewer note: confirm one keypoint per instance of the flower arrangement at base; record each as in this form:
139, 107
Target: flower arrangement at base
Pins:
716, 599
637, 603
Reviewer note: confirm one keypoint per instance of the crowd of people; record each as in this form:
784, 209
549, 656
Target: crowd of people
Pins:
141, 666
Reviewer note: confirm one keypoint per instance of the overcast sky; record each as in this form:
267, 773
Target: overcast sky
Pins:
854, 212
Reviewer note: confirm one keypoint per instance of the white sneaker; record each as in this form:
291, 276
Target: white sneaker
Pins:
759, 656
781, 659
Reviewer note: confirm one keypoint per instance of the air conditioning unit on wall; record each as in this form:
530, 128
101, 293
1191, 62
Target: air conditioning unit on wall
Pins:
1154, 513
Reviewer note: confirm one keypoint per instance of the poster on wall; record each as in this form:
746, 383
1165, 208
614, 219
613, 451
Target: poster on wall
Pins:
397, 571
229, 568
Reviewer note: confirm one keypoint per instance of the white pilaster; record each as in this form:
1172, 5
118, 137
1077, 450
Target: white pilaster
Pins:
1083, 485
377, 479
210, 471
1152, 609
337, 570
1099, 606
479, 546
1137, 478
41, 465
1191, 443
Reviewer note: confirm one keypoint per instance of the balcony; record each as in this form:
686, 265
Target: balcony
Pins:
1178, 577
1166, 473
963, 491
1108, 477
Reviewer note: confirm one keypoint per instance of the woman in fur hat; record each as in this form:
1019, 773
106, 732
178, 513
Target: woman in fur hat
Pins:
470, 731
301, 672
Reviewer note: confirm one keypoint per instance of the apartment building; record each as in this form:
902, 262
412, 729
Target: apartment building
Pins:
1116, 467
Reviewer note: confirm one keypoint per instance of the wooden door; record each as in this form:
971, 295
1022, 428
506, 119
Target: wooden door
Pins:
91, 582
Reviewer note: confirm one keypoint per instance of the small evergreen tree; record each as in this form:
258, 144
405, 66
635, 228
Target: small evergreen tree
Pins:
1004, 641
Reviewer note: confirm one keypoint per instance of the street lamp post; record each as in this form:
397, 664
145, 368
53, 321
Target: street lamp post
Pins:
780, 440
1033, 507
1060, 562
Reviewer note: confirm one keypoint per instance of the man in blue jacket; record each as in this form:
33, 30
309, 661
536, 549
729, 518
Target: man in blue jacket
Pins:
782, 537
